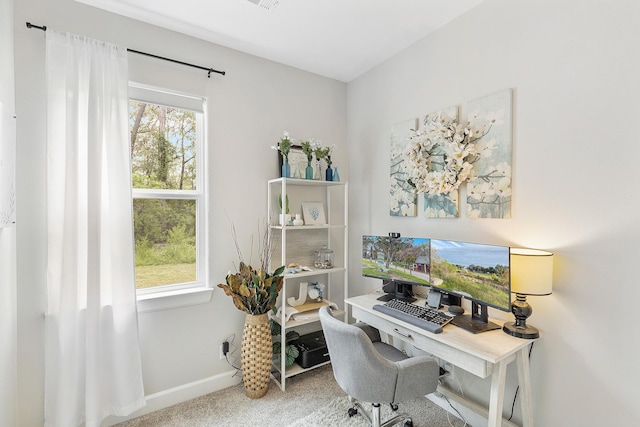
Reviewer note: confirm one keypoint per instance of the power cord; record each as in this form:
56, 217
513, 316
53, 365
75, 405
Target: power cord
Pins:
457, 412
515, 396
232, 365
460, 416
232, 349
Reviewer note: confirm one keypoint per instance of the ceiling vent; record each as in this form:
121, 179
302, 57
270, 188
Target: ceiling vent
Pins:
267, 4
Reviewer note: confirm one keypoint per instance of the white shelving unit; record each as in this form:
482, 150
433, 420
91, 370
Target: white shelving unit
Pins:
298, 244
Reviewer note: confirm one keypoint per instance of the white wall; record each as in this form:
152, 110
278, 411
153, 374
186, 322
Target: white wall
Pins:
574, 67
248, 110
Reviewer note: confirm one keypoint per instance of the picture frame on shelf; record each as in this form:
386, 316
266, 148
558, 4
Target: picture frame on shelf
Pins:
297, 162
313, 213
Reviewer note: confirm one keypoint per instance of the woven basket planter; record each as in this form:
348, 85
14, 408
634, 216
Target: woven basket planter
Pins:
256, 355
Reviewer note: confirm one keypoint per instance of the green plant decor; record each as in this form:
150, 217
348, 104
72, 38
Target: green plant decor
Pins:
321, 152
290, 350
253, 291
286, 199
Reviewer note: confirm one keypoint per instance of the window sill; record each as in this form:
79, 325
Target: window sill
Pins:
173, 299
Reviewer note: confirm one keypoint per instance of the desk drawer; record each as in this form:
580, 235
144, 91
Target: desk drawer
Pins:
426, 341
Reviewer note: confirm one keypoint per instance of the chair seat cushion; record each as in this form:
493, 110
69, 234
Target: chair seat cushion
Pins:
389, 352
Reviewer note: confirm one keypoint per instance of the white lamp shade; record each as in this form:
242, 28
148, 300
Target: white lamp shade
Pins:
531, 271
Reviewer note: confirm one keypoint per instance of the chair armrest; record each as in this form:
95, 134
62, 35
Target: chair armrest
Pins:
417, 376
420, 362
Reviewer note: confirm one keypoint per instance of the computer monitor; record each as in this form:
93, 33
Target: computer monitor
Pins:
400, 262
476, 272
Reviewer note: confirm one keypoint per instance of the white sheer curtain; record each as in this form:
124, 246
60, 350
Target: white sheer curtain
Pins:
8, 301
92, 365
7, 167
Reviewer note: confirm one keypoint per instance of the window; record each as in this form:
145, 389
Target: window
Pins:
168, 170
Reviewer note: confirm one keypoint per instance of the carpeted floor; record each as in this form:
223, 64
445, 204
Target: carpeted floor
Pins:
312, 399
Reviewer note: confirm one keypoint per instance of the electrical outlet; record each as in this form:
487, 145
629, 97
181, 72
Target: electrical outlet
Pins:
445, 368
224, 349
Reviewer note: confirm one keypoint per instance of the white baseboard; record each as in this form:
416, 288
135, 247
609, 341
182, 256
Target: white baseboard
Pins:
182, 393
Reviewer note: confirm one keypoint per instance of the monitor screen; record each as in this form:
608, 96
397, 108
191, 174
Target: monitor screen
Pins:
473, 271
402, 261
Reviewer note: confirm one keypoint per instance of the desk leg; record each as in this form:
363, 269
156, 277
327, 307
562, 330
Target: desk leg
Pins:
496, 398
524, 380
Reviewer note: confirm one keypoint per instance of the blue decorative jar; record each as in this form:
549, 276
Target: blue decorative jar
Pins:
336, 176
308, 172
328, 175
286, 169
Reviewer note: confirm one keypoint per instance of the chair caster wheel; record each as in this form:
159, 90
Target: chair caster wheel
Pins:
353, 411
394, 406
408, 423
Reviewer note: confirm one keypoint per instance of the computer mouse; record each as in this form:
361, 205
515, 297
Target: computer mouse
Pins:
456, 309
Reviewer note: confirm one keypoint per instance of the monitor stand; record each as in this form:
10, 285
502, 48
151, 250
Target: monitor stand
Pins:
389, 297
477, 321
396, 290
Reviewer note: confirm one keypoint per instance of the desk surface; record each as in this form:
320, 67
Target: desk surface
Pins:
493, 346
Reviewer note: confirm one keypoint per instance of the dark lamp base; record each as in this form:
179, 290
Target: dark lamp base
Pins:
526, 332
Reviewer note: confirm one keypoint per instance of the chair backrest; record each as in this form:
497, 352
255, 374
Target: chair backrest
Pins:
357, 366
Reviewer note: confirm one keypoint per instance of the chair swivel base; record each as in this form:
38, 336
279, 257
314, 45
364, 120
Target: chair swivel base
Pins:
373, 419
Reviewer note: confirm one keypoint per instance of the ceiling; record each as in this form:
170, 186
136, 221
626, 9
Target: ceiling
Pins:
339, 39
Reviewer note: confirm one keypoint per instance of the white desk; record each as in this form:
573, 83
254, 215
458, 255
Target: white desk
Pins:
486, 354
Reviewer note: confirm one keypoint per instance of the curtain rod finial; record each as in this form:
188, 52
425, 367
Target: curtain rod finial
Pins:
30, 25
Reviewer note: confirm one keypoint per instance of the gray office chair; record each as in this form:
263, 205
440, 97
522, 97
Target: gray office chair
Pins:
372, 371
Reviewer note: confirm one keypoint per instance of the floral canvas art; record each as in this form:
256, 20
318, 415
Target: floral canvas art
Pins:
403, 198
449, 148
489, 188
445, 204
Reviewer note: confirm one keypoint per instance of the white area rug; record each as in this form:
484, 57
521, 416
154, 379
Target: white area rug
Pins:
423, 412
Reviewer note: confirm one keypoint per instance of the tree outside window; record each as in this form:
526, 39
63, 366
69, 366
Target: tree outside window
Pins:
166, 195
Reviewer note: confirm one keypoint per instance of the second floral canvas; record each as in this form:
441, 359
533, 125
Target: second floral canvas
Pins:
489, 189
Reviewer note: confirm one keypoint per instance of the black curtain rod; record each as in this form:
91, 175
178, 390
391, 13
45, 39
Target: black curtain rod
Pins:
175, 61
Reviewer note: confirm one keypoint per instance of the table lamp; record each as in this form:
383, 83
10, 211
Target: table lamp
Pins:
531, 274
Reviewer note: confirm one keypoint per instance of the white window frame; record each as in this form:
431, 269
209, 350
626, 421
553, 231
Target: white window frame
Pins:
199, 291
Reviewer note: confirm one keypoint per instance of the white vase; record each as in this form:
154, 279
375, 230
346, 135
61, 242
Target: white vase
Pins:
285, 219
298, 220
